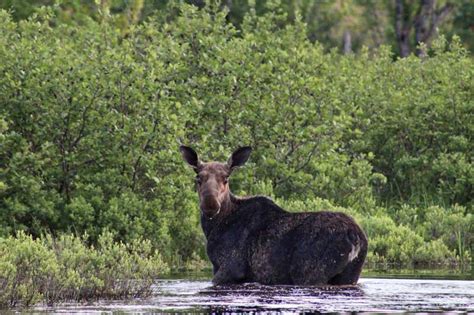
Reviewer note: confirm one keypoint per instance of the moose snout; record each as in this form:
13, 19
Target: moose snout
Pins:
210, 206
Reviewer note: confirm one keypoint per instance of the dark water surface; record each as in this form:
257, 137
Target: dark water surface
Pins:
376, 295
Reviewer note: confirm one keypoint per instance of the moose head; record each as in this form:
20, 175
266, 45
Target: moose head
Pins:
212, 178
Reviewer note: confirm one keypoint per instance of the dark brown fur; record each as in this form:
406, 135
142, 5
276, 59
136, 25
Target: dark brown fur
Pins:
254, 240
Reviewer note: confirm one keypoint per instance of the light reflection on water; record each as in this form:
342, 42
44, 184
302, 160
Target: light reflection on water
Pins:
371, 295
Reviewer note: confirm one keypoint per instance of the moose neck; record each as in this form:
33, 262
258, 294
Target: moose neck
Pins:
228, 204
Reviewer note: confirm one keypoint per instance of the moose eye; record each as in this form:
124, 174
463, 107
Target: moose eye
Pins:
226, 180
198, 180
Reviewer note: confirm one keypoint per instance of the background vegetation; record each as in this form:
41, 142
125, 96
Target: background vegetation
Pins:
348, 25
92, 113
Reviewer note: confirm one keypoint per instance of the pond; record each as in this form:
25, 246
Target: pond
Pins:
376, 292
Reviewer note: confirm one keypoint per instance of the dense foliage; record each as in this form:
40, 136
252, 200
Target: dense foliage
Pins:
67, 269
91, 120
348, 25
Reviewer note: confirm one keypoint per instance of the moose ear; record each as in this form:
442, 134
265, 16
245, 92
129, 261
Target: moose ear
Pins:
239, 157
190, 156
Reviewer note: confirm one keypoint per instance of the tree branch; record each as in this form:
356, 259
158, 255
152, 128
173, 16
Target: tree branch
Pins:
84, 120
428, 20
145, 146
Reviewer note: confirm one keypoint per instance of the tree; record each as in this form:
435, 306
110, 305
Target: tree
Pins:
425, 22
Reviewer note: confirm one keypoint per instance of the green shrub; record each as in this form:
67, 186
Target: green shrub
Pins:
27, 269
389, 242
434, 253
65, 268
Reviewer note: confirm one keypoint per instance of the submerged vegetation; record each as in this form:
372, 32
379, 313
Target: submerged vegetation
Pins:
91, 120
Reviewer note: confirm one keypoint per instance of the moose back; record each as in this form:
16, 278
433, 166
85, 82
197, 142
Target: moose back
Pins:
252, 239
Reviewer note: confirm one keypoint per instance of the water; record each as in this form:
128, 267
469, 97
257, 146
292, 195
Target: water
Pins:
380, 295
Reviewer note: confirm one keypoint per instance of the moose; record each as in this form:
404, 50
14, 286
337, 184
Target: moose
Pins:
251, 239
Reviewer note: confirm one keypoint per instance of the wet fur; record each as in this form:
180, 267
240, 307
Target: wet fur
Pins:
257, 241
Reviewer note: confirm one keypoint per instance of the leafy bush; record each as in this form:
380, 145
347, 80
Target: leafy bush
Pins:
27, 268
53, 270
90, 122
400, 244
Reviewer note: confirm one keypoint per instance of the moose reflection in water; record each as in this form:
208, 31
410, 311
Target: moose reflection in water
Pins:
251, 239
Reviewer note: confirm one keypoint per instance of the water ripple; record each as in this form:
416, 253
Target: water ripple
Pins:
371, 295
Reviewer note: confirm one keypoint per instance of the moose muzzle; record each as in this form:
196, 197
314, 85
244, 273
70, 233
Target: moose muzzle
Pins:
210, 206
